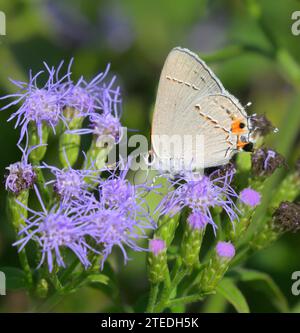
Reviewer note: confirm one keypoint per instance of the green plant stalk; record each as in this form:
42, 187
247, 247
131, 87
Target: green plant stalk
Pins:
168, 290
69, 144
37, 154
17, 215
154, 288
288, 190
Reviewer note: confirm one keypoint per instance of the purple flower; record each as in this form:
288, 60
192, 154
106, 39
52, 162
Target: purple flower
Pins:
104, 125
46, 104
225, 250
21, 175
197, 220
54, 231
250, 197
89, 97
287, 217
156, 246
116, 192
70, 183
200, 193
110, 227
39, 104
266, 161
119, 216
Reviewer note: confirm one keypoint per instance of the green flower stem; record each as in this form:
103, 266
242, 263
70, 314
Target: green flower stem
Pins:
67, 272
37, 154
241, 226
288, 190
69, 144
154, 288
242, 255
44, 190
168, 290
56, 282
17, 215
96, 156
166, 228
186, 299
265, 236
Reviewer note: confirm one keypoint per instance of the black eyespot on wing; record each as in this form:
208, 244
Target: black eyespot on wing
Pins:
242, 125
248, 147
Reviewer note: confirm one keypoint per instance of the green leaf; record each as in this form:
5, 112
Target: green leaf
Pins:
98, 278
269, 286
229, 290
215, 304
15, 278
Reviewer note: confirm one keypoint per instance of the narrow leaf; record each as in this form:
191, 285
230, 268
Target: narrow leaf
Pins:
230, 291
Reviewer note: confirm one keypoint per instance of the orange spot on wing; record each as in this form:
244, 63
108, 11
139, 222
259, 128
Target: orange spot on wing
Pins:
238, 127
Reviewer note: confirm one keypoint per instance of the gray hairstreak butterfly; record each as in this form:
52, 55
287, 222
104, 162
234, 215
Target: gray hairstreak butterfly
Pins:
196, 122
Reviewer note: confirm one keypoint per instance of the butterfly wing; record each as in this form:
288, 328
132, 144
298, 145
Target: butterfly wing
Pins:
191, 101
184, 78
205, 128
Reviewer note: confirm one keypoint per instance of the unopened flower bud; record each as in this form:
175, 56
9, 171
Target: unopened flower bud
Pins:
158, 267
287, 217
192, 238
250, 197
261, 125
266, 161
225, 250
21, 177
156, 246
217, 266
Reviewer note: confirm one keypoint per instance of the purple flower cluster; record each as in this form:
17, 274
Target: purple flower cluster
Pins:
200, 193
45, 104
114, 214
89, 215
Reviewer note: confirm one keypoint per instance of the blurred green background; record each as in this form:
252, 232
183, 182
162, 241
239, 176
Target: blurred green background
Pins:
249, 44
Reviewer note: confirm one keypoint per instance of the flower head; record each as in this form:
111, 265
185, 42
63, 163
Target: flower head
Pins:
225, 250
70, 183
88, 97
117, 216
156, 246
40, 104
266, 161
54, 231
111, 227
197, 220
250, 197
261, 125
103, 126
21, 175
118, 192
200, 193
287, 217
